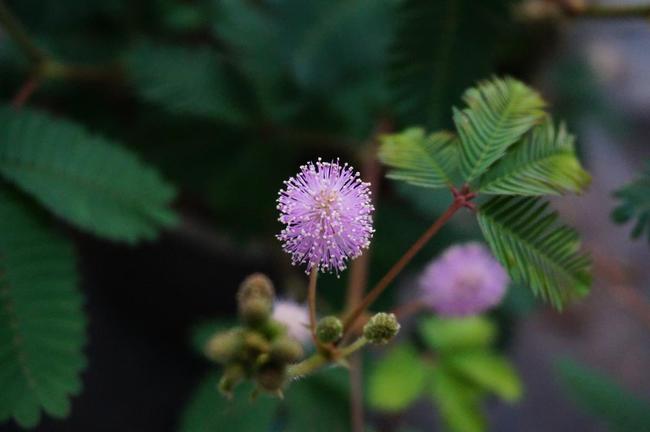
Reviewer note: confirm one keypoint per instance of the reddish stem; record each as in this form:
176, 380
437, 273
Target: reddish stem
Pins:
25, 92
461, 199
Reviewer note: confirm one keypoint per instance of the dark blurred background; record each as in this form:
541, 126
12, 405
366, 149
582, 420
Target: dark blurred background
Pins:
300, 79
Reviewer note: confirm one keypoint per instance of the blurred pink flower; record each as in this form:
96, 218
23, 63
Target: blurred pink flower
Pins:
295, 317
465, 280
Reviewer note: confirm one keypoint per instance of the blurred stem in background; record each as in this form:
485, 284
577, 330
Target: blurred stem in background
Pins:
44, 66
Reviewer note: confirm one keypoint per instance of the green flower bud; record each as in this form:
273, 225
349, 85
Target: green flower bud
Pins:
329, 329
255, 343
271, 377
232, 375
286, 350
255, 311
224, 346
256, 285
381, 328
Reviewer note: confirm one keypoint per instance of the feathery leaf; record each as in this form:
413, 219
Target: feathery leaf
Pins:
83, 178
42, 324
543, 162
635, 202
603, 398
440, 48
428, 161
183, 80
526, 238
499, 112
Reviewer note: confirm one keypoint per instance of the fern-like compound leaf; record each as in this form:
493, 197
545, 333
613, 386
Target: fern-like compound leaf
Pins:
543, 162
182, 80
499, 112
537, 251
85, 179
635, 203
428, 161
440, 48
42, 324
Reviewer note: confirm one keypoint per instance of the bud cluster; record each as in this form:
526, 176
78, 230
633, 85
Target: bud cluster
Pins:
259, 349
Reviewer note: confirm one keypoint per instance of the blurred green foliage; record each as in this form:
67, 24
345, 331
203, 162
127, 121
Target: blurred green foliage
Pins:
457, 370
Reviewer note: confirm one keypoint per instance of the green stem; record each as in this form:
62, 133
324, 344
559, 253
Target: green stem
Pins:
17, 32
353, 347
307, 366
318, 360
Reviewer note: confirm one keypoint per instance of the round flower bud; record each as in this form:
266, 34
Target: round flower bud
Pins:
224, 346
256, 285
329, 329
255, 311
381, 328
232, 375
286, 350
271, 376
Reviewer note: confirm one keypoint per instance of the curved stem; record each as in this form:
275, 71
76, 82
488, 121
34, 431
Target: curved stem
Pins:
17, 32
311, 300
352, 317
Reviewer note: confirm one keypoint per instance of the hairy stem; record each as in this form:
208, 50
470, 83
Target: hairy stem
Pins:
352, 317
17, 32
311, 300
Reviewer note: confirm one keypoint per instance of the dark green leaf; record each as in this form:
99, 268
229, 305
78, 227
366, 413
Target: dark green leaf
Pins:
183, 80
441, 47
83, 178
42, 323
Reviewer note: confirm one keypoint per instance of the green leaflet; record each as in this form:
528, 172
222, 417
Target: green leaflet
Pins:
526, 238
42, 324
635, 203
183, 80
543, 162
85, 179
603, 398
397, 380
488, 371
428, 161
459, 403
440, 48
499, 112
457, 334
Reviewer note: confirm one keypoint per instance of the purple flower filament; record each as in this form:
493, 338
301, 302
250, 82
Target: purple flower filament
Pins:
327, 210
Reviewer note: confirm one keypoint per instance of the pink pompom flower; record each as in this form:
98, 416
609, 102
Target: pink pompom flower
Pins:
465, 280
327, 210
